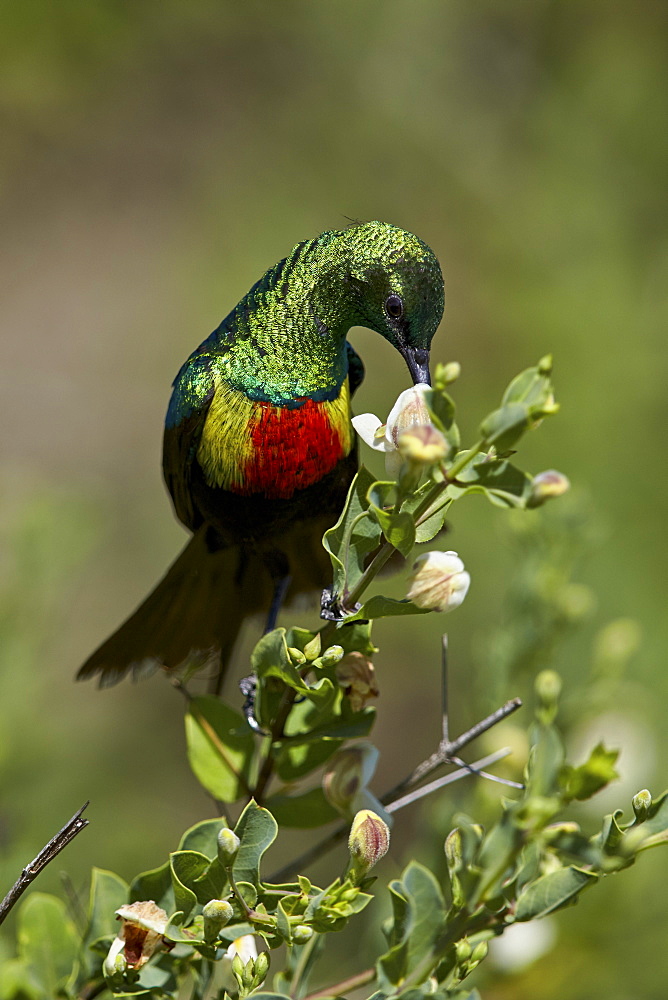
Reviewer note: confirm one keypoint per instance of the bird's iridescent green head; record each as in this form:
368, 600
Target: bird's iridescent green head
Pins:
397, 287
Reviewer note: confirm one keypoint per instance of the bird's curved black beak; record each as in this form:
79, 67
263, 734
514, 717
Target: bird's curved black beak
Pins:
417, 359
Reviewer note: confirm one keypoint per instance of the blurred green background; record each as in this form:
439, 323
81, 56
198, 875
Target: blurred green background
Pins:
157, 157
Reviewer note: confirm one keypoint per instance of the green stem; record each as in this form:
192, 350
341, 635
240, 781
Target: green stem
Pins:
345, 986
302, 965
386, 550
464, 459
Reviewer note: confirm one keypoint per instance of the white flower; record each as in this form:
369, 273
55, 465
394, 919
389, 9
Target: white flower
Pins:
244, 947
521, 944
409, 416
438, 581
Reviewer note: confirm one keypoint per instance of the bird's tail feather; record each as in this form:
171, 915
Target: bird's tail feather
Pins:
195, 611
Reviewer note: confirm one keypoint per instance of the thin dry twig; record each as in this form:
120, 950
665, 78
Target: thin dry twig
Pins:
47, 854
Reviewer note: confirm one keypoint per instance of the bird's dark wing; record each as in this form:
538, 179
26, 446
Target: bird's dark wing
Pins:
194, 388
355, 368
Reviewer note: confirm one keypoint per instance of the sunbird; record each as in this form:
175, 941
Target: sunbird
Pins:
259, 450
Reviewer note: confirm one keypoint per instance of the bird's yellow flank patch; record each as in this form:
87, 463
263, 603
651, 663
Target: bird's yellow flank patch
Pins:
255, 447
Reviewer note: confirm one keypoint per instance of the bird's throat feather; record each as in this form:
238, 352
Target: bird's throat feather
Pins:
251, 446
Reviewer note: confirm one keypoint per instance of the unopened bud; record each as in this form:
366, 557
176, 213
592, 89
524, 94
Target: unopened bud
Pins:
548, 688
423, 445
463, 950
331, 656
546, 486
479, 952
347, 774
228, 846
313, 647
439, 581
368, 842
453, 849
302, 933
446, 374
296, 655
217, 913
641, 802
262, 967
239, 969
545, 365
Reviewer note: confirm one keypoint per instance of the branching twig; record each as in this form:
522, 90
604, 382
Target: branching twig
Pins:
399, 796
47, 854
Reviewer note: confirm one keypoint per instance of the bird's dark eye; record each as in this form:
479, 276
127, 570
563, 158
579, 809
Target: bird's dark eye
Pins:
394, 307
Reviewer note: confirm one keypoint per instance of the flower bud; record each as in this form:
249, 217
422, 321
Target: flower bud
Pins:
217, 913
228, 846
439, 581
239, 968
356, 676
348, 773
547, 485
313, 647
446, 374
262, 965
463, 950
641, 802
548, 688
368, 841
331, 656
302, 933
296, 655
479, 952
422, 445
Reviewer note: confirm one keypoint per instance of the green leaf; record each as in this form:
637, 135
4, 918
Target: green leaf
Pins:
355, 637
156, 885
504, 427
108, 892
295, 760
527, 400
257, 831
611, 833
220, 747
442, 410
418, 925
186, 867
551, 891
546, 759
48, 942
304, 811
398, 529
532, 386
17, 982
434, 520
270, 996
270, 658
353, 537
386, 607
203, 837
584, 781
498, 479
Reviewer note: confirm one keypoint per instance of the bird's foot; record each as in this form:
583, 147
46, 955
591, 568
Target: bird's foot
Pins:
332, 609
248, 688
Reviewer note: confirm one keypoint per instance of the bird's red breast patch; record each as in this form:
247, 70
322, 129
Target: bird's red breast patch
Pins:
252, 447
